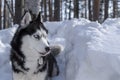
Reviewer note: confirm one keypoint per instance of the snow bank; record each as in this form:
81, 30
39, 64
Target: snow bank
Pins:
91, 50
5, 38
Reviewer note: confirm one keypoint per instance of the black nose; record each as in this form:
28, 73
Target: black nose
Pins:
47, 49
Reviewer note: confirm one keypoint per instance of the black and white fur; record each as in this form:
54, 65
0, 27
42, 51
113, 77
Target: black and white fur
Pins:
31, 56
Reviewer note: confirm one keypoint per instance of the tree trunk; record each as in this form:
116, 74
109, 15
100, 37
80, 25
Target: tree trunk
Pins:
101, 11
0, 14
57, 10
89, 10
45, 11
65, 10
76, 8
85, 9
41, 6
33, 6
70, 9
96, 4
18, 11
106, 9
4, 15
114, 8
50, 10
61, 10
12, 6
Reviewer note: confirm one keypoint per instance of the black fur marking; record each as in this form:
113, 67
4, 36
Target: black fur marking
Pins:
41, 67
49, 61
52, 64
19, 61
16, 55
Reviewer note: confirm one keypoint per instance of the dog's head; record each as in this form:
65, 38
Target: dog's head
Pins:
33, 34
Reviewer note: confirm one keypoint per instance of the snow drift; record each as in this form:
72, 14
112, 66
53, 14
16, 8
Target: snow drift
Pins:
91, 50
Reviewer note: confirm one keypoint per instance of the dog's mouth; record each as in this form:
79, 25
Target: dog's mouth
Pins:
45, 53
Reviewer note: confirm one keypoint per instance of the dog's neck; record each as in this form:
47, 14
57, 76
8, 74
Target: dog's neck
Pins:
30, 53
41, 65
31, 57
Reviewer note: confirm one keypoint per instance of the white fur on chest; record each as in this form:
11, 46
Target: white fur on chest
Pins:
21, 76
31, 59
31, 55
31, 62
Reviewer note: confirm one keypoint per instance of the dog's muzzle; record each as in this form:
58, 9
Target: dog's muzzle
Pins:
48, 50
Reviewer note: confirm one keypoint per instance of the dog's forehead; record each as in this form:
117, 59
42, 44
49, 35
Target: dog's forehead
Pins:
39, 25
41, 31
34, 26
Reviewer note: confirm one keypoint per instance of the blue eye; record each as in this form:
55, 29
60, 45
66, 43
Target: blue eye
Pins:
37, 37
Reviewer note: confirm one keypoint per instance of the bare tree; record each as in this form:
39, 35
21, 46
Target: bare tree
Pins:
66, 9
85, 8
106, 9
76, 8
18, 11
61, 9
89, 10
115, 8
57, 10
12, 6
50, 10
101, 10
0, 14
5, 16
45, 10
96, 6
70, 9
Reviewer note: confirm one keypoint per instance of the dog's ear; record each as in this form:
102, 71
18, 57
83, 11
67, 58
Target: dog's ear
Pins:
26, 19
38, 19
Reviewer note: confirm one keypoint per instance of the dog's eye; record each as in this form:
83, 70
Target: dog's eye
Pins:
36, 36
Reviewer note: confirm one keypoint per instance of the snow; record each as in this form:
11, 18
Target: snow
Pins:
91, 50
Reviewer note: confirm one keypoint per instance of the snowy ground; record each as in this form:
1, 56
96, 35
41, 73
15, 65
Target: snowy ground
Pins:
91, 50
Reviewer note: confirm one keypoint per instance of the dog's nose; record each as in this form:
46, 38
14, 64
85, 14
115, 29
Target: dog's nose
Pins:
47, 49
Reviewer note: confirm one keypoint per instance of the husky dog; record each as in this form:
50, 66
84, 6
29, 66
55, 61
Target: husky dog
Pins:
31, 56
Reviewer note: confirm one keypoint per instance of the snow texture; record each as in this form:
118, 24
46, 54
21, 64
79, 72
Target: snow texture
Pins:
91, 50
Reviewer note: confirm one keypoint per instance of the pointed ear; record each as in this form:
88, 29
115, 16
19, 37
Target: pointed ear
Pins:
26, 19
38, 19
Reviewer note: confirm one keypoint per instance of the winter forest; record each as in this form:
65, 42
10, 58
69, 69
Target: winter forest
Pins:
11, 11
87, 30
